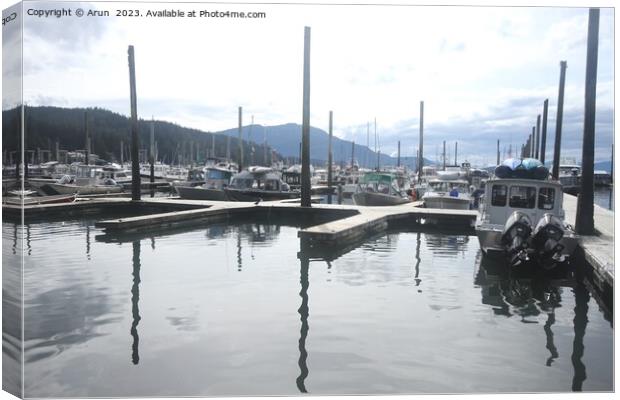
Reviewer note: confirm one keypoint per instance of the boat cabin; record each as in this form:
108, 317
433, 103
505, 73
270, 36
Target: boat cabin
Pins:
269, 181
379, 183
533, 197
439, 185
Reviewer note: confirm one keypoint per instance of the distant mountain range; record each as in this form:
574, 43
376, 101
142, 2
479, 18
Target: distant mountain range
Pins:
46, 126
286, 140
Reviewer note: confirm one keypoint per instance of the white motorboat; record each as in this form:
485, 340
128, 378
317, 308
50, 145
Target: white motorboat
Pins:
523, 219
216, 178
453, 194
379, 189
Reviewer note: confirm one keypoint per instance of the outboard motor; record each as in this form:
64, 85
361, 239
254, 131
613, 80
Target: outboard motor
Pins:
515, 237
546, 239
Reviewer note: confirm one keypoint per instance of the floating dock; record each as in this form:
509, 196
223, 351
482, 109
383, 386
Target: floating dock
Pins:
598, 250
325, 228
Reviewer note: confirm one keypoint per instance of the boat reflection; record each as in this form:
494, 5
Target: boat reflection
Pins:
529, 294
443, 245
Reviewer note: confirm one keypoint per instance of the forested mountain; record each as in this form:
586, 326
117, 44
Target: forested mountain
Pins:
45, 126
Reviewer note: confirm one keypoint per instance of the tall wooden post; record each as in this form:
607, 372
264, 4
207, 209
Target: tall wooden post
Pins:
305, 126
366, 163
376, 149
558, 123
87, 140
240, 139
329, 160
444, 155
265, 146
398, 155
533, 151
498, 160
456, 149
152, 156
537, 137
584, 223
352, 153
135, 142
421, 146
543, 139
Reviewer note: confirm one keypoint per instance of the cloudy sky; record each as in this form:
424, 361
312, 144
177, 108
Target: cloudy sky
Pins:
482, 72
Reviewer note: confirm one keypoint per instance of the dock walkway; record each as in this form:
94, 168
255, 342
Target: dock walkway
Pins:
599, 249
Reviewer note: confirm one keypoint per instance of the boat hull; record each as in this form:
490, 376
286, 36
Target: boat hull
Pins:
490, 238
446, 202
82, 190
199, 193
28, 201
254, 195
378, 199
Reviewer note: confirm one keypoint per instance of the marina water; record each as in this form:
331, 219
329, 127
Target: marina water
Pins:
237, 310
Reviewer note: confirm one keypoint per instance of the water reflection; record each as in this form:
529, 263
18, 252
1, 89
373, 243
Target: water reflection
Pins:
303, 332
446, 245
417, 259
135, 298
529, 297
582, 297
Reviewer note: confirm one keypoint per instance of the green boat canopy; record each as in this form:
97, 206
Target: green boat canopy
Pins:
372, 177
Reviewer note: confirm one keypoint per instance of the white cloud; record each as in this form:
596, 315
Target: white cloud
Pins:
466, 63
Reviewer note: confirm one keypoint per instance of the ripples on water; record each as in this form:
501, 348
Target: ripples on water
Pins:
233, 310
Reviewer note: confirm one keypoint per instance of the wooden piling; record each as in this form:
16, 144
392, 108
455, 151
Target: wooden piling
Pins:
498, 160
135, 142
152, 156
533, 147
444, 154
329, 160
352, 153
398, 155
584, 222
240, 139
305, 127
456, 148
543, 139
87, 139
421, 146
558, 123
537, 155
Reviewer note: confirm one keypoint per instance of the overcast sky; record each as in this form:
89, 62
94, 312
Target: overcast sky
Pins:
482, 72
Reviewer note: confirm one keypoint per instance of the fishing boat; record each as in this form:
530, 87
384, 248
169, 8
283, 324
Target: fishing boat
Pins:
215, 178
521, 216
379, 189
258, 183
26, 198
569, 176
452, 194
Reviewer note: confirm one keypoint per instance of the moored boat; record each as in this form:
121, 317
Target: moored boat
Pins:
523, 219
450, 194
258, 183
379, 189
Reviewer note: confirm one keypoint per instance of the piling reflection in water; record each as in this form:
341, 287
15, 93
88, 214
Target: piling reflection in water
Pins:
303, 332
135, 298
580, 322
249, 329
530, 297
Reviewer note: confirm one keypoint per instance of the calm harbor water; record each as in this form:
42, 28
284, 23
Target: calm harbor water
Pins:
604, 197
235, 310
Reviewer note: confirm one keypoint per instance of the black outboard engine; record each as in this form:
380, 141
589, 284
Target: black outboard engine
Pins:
515, 237
546, 240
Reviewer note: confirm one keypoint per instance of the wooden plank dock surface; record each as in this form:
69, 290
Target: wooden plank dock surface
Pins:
599, 249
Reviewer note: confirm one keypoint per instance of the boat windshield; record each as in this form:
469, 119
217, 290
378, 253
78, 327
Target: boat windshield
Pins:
218, 174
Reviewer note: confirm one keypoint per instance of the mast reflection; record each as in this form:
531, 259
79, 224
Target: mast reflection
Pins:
579, 322
135, 297
303, 312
